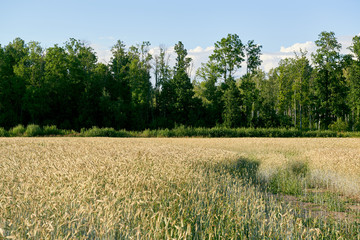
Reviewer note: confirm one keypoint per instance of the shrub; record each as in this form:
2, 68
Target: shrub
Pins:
124, 133
104, 132
3, 133
356, 126
33, 130
339, 125
19, 130
164, 133
99, 132
181, 131
52, 130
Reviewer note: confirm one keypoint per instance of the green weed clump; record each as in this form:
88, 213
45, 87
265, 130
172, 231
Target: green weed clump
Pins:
290, 180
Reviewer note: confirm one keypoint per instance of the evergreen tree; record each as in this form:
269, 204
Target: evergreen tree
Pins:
184, 92
116, 98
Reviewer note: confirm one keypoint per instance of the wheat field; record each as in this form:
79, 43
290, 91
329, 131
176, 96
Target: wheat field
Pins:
162, 188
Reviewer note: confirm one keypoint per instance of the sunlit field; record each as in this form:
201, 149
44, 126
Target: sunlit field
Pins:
177, 188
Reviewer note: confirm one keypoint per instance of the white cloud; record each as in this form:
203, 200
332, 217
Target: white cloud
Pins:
103, 53
308, 46
271, 60
346, 42
199, 55
196, 50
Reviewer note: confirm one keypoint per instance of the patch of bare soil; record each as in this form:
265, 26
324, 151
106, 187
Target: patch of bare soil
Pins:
307, 209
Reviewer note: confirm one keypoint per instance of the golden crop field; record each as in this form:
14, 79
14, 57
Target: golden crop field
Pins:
179, 188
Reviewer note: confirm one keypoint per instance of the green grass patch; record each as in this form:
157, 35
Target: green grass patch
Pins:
290, 180
332, 201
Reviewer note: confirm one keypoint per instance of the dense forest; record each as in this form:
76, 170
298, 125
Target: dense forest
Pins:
66, 86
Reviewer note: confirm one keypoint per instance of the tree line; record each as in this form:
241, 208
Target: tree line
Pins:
66, 86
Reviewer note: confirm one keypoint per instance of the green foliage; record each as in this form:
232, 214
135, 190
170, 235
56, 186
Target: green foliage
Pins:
103, 132
253, 52
66, 86
228, 54
33, 130
17, 131
232, 114
339, 126
209, 93
177, 131
330, 87
355, 48
3, 132
12, 86
299, 168
52, 131
290, 180
330, 200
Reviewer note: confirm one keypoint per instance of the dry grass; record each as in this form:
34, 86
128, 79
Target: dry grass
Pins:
161, 188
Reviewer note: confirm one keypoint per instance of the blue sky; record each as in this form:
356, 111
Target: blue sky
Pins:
273, 24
